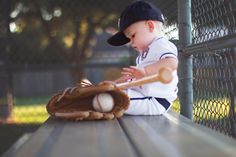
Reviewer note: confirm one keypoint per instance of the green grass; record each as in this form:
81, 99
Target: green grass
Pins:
31, 101
209, 109
176, 106
33, 110
29, 110
26, 114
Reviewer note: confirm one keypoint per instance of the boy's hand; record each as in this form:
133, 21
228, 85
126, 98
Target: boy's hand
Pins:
133, 72
123, 78
107, 81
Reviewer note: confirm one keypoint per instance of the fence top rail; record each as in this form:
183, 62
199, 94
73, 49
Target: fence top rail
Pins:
211, 45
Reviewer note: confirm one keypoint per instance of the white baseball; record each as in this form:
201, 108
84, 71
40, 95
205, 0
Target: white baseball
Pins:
103, 102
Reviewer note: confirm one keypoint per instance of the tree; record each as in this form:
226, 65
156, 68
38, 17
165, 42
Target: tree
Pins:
59, 31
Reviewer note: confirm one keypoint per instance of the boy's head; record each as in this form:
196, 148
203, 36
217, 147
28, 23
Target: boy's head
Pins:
135, 12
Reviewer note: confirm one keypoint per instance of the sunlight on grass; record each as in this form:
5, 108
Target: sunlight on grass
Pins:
208, 109
26, 114
34, 110
212, 108
176, 106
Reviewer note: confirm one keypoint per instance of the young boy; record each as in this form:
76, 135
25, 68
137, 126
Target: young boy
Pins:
140, 25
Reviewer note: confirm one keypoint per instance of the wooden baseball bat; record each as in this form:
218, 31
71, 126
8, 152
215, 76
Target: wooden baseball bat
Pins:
164, 76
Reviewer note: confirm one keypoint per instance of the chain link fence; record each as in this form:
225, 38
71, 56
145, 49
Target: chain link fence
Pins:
214, 71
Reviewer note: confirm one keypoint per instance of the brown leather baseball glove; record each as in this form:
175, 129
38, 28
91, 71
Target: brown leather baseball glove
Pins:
76, 103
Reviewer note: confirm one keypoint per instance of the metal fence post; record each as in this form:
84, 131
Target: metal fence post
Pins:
185, 61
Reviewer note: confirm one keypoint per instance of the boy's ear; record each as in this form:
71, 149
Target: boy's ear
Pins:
150, 25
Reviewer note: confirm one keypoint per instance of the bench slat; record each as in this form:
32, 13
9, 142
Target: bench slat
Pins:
175, 136
58, 138
130, 136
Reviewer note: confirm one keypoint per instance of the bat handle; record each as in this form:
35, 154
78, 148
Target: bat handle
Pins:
164, 76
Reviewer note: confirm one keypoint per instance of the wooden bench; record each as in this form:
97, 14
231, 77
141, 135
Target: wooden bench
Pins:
130, 136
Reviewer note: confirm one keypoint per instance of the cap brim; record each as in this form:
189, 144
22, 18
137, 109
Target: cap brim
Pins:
118, 39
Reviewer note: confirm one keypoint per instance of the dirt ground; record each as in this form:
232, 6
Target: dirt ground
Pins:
10, 133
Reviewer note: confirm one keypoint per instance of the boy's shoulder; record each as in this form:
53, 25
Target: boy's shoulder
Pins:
161, 40
163, 43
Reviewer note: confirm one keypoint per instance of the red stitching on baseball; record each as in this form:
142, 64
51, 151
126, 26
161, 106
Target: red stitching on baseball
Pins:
99, 104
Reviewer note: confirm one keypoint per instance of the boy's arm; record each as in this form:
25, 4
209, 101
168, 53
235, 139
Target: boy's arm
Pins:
135, 72
169, 62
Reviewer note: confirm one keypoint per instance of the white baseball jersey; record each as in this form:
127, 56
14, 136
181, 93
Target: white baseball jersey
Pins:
154, 98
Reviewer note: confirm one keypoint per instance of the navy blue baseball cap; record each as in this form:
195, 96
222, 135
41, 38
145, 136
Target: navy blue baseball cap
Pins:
136, 11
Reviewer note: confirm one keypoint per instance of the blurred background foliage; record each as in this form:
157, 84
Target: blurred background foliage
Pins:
60, 31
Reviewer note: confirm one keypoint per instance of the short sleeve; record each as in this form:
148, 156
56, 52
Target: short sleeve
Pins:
163, 48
